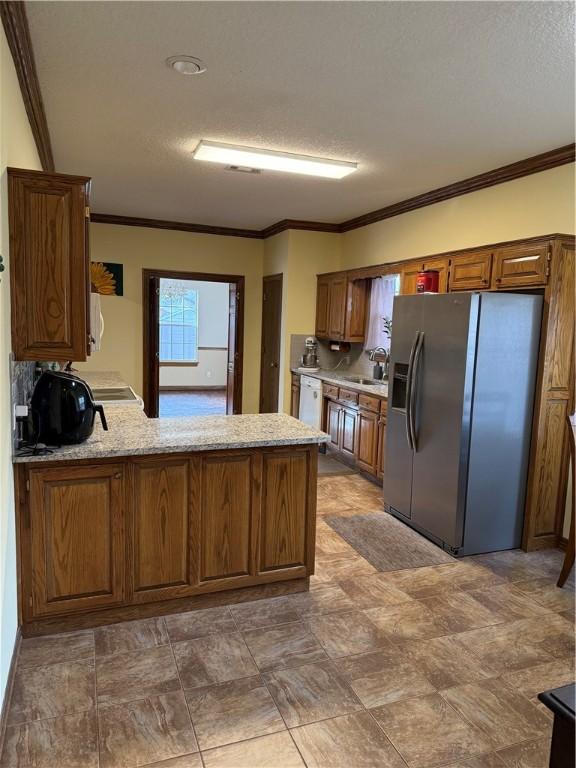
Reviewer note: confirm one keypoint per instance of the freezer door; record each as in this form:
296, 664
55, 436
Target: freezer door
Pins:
441, 412
398, 475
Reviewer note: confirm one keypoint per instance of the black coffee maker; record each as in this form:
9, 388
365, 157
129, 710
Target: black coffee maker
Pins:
63, 409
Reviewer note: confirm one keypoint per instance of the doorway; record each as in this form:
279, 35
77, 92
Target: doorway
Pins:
193, 327
271, 343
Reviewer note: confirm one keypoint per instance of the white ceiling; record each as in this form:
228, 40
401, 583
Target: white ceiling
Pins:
420, 94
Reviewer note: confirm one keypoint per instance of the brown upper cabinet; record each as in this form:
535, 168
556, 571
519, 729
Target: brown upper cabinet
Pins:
441, 265
49, 265
411, 270
341, 308
408, 276
522, 266
471, 272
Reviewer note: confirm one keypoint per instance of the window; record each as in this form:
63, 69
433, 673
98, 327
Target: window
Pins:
178, 322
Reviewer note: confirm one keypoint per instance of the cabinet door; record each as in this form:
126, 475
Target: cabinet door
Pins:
285, 510
164, 564
49, 265
521, 267
367, 440
441, 265
348, 431
223, 499
333, 412
471, 272
322, 305
356, 302
77, 538
381, 447
408, 278
337, 307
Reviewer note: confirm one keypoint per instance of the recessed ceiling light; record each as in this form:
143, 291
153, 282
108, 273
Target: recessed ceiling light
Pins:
271, 160
186, 65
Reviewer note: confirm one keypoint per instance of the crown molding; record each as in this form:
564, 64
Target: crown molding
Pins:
15, 23
535, 164
310, 226
180, 226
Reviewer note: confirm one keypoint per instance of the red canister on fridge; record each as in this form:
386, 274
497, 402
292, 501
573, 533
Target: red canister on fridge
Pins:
427, 281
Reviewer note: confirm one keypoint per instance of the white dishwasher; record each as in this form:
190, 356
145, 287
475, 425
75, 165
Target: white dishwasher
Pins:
310, 401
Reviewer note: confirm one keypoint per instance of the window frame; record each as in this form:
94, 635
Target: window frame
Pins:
171, 361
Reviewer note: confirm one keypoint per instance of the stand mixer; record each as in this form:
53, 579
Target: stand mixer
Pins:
310, 357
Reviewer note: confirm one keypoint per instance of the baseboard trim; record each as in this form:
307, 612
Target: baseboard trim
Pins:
9, 687
102, 617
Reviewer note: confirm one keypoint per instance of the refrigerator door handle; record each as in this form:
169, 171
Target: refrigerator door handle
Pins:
409, 391
414, 390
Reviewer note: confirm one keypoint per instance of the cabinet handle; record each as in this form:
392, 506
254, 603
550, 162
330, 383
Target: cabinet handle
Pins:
118, 476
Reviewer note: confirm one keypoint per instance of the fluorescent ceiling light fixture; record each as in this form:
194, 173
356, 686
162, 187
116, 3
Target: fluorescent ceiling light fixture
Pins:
270, 160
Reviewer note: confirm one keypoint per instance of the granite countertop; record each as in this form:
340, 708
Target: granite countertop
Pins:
334, 377
102, 379
131, 433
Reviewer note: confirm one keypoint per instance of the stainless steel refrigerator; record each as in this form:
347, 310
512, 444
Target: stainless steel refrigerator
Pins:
462, 378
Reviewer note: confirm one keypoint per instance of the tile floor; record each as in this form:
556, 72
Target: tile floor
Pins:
426, 667
200, 402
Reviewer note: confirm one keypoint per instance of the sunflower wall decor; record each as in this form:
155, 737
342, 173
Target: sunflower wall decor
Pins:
107, 278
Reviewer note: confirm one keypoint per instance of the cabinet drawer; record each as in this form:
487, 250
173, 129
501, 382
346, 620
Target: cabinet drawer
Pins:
383, 406
329, 390
369, 403
348, 396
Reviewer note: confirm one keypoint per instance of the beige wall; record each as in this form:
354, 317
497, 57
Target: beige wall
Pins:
210, 371
535, 205
17, 149
299, 256
137, 248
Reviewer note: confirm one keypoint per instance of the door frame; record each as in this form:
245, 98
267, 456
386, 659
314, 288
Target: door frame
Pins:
277, 278
151, 338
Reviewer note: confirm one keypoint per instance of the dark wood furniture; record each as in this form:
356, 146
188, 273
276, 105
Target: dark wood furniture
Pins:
560, 701
50, 265
539, 264
568, 563
97, 539
356, 423
341, 308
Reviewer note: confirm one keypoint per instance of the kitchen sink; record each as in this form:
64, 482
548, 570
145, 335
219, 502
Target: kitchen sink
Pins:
362, 380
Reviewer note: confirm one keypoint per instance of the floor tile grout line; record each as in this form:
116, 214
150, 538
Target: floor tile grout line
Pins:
480, 730
96, 706
186, 703
265, 685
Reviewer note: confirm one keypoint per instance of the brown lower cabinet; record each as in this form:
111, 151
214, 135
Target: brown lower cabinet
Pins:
94, 536
76, 535
357, 429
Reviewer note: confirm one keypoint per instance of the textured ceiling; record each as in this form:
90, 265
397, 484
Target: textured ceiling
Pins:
419, 94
